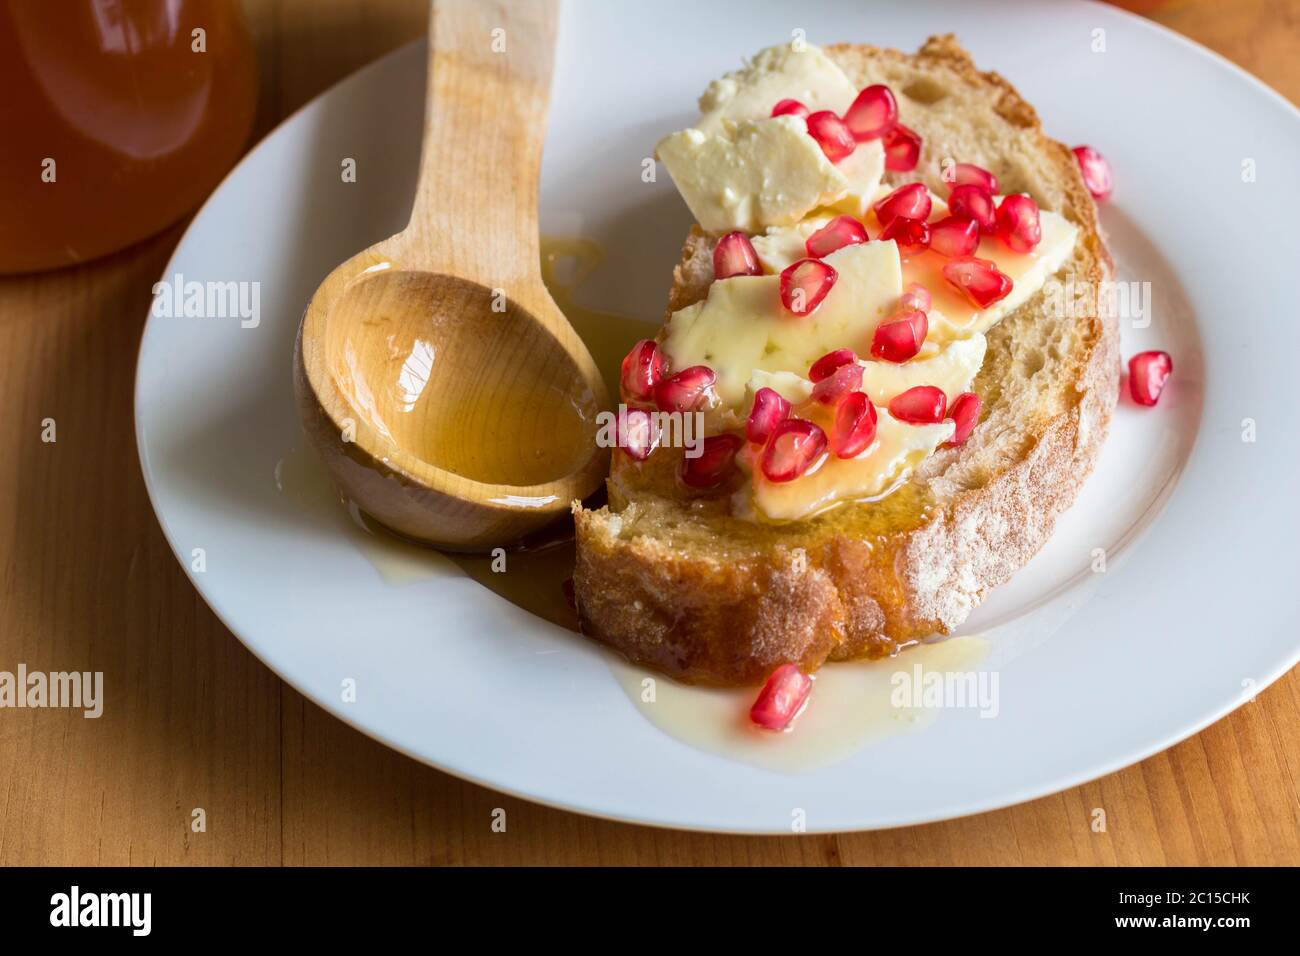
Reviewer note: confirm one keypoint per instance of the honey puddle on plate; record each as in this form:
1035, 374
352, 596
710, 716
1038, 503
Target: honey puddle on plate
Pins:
533, 577
566, 263
851, 704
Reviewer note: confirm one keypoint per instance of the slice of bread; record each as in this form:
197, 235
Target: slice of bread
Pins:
676, 583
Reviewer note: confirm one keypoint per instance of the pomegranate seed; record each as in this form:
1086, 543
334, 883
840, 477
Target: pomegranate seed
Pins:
770, 409
979, 280
965, 412
900, 338
955, 236
1147, 373
872, 114
974, 202
902, 148
735, 256
828, 363
968, 174
912, 235
839, 232
689, 390
642, 369
1018, 224
845, 379
781, 698
805, 283
916, 296
795, 444
636, 433
831, 134
1096, 172
855, 426
790, 108
715, 464
922, 405
911, 201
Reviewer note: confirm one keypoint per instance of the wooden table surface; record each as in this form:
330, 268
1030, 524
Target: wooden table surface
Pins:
192, 720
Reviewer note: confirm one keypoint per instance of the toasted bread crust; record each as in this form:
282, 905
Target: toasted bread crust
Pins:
730, 614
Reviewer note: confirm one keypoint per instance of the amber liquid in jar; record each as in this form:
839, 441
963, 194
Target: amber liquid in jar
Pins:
117, 118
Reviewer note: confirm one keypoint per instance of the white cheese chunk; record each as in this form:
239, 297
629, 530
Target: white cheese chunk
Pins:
777, 73
896, 451
952, 368
752, 174
742, 325
862, 169
794, 388
779, 246
1028, 272
953, 315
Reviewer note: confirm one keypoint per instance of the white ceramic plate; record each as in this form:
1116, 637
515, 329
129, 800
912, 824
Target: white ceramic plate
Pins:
1197, 607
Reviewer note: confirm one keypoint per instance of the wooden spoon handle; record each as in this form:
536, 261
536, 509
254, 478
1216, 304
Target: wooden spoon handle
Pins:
475, 212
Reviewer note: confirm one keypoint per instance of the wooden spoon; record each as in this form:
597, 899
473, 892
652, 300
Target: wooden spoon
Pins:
447, 393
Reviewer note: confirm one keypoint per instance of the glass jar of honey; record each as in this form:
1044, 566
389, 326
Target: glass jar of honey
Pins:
117, 117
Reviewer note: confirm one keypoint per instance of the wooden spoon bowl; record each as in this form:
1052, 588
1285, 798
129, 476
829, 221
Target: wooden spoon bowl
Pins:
446, 392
